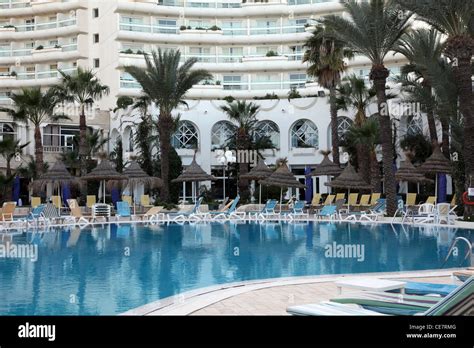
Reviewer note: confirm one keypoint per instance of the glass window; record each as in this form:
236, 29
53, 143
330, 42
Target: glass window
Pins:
186, 136
304, 133
269, 130
232, 82
7, 131
166, 26
221, 133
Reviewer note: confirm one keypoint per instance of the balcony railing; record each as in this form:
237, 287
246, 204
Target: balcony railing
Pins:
47, 25
5, 100
149, 28
43, 74
4, 4
28, 51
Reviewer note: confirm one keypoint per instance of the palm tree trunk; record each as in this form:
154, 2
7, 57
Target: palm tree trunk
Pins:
38, 150
165, 125
363, 160
379, 74
374, 172
431, 119
82, 141
462, 74
445, 136
334, 133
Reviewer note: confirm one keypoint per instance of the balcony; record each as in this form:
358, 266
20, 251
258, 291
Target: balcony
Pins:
29, 56
149, 28
6, 4
58, 28
38, 78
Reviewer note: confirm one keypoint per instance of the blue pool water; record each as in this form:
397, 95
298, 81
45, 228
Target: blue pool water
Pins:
111, 269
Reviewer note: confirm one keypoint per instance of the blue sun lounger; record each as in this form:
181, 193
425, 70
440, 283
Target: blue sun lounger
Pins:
328, 211
183, 216
123, 210
230, 213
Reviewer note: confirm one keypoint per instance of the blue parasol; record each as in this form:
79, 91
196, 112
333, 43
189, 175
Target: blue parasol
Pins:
309, 185
16, 189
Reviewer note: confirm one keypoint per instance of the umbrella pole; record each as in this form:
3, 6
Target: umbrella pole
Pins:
436, 189
259, 195
281, 197
184, 192
133, 198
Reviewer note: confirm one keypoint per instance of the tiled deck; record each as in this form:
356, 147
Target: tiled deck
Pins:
271, 297
275, 300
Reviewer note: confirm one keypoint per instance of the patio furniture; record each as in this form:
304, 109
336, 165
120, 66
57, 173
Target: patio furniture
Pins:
101, 211
370, 284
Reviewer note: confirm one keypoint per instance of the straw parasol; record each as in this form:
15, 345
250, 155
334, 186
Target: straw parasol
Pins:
259, 172
194, 173
349, 179
437, 163
57, 175
136, 175
104, 171
326, 167
408, 172
282, 177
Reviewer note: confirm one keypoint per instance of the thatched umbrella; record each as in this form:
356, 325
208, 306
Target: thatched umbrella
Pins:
282, 177
57, 175
326, 167
408, 172
259, 172
349, 179
104, 171
437, 163
193, 173
136, 175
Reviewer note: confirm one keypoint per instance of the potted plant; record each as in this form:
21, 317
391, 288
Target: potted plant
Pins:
271, 53
13, 74
183, 27
214, 28
40, 47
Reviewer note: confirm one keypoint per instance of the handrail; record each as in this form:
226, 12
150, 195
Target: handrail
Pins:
453, 244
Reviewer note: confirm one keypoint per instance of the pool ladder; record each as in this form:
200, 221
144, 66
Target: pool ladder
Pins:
468, 254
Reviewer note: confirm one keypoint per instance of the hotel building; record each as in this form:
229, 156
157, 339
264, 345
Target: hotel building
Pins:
252, 48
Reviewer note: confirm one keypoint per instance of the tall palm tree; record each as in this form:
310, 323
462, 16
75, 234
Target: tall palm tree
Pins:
144, 138
422, 47
354, 93
455, 19
373, 29
326, 58
166, 83
83, 88
33, 106
244, 114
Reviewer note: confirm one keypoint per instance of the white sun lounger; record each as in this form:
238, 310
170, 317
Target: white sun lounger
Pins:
329, 308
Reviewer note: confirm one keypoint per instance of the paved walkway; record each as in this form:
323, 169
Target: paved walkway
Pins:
275, 300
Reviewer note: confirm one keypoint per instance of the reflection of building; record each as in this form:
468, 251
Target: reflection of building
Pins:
252, 48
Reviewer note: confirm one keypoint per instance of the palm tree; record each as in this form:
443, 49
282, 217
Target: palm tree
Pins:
422, 47
354, 93
37, 107
9, 148
29, 169
373, 29
166, 83
454, 18
144, 138
245, 115
326, 58
83, 88
368, 136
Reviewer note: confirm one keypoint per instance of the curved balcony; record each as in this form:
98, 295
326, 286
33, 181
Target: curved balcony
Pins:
39, 78
249, 10
28, 56
18, 8
61, 28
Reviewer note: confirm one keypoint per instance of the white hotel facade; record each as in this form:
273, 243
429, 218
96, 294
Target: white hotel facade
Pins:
232, 39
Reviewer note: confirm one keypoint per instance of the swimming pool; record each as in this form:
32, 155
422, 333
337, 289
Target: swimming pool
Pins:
110, 269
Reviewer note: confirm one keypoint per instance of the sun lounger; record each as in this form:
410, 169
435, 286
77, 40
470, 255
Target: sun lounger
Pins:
145, 201
76, 216
182, 216
329, 308
316, 200
56, 200
91, 200
410, 200
127, 199
153, 214
267, 210
417, 288
35, 201
101, 211
374, 198
364, 201
8, 209
123, 210
230, 213
341, 196
464, 274
431, 200
458, 302
328, 212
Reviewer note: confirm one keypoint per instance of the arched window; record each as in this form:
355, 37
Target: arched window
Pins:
343, 125
221, 133
304, 133
414, 125
270, 130
186, 136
